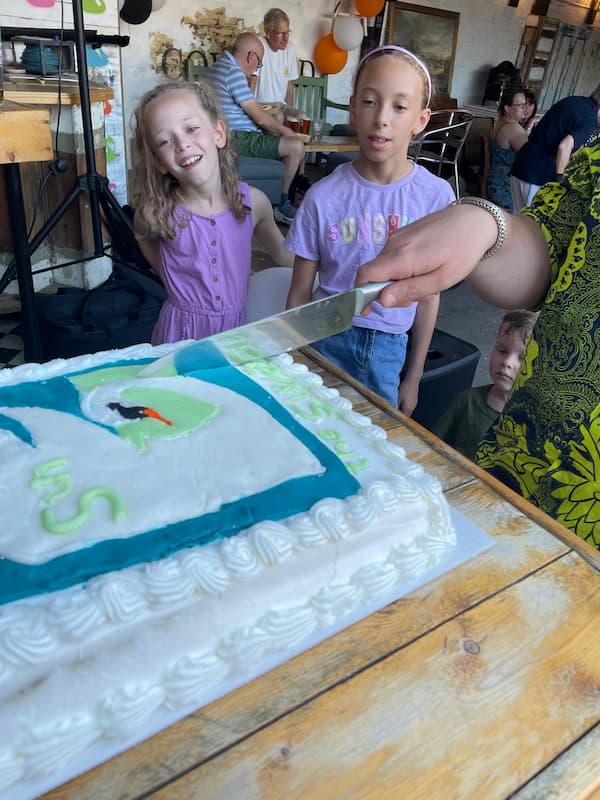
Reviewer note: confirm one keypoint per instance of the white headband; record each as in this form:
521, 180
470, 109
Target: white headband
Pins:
394, 48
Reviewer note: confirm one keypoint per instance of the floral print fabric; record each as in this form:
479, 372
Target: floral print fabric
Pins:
498, 184
546, 444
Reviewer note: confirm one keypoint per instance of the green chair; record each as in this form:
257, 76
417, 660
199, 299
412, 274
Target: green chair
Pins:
310, 95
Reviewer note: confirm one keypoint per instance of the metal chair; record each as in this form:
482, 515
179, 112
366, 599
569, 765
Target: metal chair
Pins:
439, 146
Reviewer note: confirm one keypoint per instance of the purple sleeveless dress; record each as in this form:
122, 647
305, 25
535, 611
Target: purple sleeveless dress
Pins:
206, 271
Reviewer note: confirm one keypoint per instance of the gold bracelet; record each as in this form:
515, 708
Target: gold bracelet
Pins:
496, 213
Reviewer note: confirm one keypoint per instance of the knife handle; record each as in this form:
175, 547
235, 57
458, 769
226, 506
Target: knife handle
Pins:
367, 293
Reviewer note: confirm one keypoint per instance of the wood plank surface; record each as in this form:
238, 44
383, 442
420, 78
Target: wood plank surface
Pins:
573, 776
333, 144
497, 661
507, 710
24, 134
522, 548
45, 91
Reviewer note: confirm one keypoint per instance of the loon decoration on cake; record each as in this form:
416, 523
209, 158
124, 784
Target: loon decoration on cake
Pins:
91, 448
137, 412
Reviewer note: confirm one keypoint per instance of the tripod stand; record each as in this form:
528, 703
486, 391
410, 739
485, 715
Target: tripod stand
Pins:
100, 197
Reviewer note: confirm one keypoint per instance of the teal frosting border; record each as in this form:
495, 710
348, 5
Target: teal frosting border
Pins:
205, 362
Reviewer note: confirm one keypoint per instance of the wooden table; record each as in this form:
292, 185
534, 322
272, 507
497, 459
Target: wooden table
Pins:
333, 144
47, 91
483, 684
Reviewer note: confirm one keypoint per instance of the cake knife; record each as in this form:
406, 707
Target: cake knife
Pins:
279, 333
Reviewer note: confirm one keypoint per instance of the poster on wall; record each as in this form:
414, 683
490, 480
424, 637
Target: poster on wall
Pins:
101, 15
428, 32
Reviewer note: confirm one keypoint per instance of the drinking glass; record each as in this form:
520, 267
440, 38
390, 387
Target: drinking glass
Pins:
317, 130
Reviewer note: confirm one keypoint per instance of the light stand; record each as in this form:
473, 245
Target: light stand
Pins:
92, 182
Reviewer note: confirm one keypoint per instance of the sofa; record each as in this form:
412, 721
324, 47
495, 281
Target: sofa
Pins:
263, 173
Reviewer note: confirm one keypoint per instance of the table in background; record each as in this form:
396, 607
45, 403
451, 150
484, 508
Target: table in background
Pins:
24, 137
333, 144
75, 229
483, 684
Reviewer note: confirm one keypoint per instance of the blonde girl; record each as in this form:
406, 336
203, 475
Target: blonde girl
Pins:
195, 219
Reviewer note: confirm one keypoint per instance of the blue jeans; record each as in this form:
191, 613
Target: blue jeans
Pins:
374, 358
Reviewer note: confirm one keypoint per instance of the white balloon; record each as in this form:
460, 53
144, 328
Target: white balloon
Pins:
158, 4
348, 32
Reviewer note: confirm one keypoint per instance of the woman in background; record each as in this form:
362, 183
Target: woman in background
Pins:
531, 105
506, 139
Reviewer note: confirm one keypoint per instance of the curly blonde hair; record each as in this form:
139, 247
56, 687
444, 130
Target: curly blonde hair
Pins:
158, 192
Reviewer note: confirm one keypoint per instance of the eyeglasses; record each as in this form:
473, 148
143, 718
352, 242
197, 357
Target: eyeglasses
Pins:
519, 105
259, 63
283, 34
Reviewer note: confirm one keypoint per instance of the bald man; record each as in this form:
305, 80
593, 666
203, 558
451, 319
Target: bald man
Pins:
254, 131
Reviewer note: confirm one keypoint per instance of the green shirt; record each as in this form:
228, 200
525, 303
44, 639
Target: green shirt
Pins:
466, 419
546, 443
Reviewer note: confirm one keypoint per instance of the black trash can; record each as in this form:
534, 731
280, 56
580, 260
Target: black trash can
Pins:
449, 368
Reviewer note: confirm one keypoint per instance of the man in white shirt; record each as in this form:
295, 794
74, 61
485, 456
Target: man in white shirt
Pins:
274, 83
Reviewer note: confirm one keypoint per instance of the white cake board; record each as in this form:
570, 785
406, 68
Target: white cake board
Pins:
471, 541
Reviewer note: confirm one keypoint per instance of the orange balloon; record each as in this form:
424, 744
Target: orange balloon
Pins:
329, 58
369, 8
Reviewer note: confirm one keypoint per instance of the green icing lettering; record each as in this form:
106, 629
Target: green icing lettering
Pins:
43, 476
245, 352
288, 387
341, 448
315, 410
61, 527
263, 369
337, 441
357, 466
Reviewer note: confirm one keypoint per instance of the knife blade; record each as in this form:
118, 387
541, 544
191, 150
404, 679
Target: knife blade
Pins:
278, 333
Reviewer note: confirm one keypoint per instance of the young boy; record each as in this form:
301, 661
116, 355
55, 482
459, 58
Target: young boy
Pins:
473, 410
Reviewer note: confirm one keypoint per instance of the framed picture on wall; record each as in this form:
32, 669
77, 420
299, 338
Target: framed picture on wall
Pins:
428, 32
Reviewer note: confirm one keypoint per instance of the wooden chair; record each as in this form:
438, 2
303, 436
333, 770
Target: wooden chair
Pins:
439, 146
310, 95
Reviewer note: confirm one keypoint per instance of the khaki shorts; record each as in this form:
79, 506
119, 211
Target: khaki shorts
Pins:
255, 143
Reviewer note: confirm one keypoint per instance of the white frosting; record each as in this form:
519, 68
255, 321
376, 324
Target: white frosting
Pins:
99, 663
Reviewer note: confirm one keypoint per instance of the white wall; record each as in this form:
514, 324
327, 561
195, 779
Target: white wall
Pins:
489, 32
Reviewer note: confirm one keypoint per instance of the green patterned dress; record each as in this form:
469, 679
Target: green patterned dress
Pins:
546, 444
